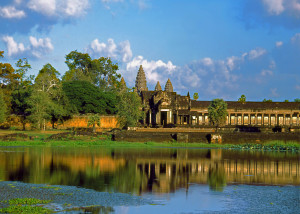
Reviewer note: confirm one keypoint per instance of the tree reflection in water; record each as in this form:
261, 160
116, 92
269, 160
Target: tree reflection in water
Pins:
216, 178
138, 171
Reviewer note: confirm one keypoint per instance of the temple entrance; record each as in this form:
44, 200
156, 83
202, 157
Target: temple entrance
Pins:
164, 117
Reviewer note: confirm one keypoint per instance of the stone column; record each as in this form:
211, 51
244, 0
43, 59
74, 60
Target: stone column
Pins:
235, 119
255, 119
243, 115
177, 118
283, 120
298, 122
276, 120
150, 117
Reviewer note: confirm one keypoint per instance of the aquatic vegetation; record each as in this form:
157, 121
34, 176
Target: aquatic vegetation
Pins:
25, 205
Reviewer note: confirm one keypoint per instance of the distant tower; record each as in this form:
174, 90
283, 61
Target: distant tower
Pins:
169, 87
140, 82
158, 87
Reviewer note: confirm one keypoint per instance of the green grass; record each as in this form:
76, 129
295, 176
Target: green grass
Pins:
25, 205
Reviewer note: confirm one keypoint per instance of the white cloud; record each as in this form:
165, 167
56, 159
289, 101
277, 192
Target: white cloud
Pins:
266, 72
122, 51
11, 12
278, 7
40, 46
154, 70
65, 8
297, 87
256, 53
279, 43
296, 38
274, 7
37, 47
13, 48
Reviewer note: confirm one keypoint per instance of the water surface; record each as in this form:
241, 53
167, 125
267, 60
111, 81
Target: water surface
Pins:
176, 180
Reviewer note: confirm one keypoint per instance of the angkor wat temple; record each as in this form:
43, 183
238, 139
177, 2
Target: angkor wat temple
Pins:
166, 108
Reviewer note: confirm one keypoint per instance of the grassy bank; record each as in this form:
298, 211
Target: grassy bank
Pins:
68, 139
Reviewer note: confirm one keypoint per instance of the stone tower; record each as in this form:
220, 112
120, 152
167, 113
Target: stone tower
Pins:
158, 87
169, 87
140, 82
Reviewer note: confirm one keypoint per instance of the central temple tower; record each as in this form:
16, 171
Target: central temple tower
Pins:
140, 82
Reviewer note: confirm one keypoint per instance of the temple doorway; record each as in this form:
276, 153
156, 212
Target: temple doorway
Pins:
164, 117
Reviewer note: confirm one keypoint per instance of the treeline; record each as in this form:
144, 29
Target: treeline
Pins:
90, 86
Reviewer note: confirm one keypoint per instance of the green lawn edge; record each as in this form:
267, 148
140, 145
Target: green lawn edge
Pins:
272, 145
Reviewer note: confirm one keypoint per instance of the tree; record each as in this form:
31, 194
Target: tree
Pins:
286, 101
39, 108
22, 68
47, 79
19, 103
242, 99
8, 80
129, 109
87, 98
101, 72
268, 101
297, 100
93, 121
217, 112
2, 108
196, 96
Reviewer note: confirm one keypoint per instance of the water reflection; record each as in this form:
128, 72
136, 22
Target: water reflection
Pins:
147, 170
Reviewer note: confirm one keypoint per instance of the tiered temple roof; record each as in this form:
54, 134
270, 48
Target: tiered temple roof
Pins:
169, 86
158, 87
140, 82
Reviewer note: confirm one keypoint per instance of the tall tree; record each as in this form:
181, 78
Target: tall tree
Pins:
297, 100
2, 107
8, 79
39, 108
101, 72
129, 108
217, 112
87, 98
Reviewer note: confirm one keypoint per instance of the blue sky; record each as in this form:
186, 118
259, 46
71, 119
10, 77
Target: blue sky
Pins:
220, 49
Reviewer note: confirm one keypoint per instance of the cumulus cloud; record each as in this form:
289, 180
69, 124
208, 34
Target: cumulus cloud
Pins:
60, 8
279, 43
256, 53
13, 48
40, 46
154, 70
11, 12
36, 49
272, 13
121, 51
266, 72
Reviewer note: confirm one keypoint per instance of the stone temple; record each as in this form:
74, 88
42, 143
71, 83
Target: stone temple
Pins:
166, 108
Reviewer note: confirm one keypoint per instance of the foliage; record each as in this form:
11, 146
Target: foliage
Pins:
101, 72
242, 99
87, 98
8, 79
217, 112
286, 101
47, 79
196, 96
39, 108
93, 121
3, 109
23, 67
216, 178
19, 103
268, 101
129, 109
297, 100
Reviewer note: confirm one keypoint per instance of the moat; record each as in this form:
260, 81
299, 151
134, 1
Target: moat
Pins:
166, 180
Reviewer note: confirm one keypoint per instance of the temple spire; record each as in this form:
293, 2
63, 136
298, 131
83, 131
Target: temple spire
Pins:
169, 87
158, 87
140, 82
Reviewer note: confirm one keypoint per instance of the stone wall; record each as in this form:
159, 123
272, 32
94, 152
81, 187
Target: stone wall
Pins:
200, 137
79, 121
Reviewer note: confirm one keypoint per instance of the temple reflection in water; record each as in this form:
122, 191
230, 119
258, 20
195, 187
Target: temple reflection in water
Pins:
155, 170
